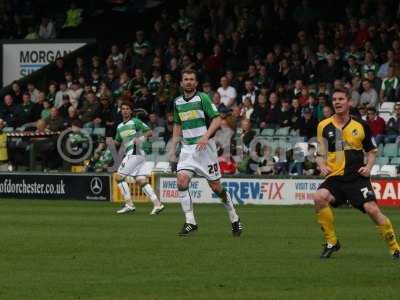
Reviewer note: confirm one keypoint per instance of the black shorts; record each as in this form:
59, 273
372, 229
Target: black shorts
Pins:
356, 191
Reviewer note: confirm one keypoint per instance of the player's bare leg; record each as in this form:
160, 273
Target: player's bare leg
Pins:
149, 192
326, 219
183, 181
384, 226
218, 189
126, 194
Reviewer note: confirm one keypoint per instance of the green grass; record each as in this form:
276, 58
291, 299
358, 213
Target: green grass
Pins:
83, 250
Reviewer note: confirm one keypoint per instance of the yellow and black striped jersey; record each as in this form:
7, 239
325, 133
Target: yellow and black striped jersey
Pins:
344, 147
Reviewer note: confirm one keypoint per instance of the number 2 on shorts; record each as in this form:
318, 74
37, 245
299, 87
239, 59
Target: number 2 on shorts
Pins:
212, 168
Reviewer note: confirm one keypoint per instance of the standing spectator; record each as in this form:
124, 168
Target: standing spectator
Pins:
376, 124
393, 126
47, 29
227, 92
369, 96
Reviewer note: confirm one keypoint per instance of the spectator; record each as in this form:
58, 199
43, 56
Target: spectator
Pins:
260, 112
250, 91
273, 117
310, 164
226, 163
55, 122
47, 29
376, 124
390, 87
286, 114
327, 111
3, 147
308, 125
45, 113
393, 126
369, 96
384, 68
25, 111
247, 109
90, 112
63, 108
266, 163
9, 111
227, 92
33, 91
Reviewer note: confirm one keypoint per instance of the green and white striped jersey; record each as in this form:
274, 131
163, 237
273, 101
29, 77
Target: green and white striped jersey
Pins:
193, 115
127, 132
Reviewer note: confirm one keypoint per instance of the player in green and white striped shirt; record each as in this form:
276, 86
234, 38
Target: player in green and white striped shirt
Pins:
196, 119
131, 132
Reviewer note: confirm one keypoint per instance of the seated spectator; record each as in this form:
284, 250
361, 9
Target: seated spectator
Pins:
260, 112
47, 29
327, 111
393, 126
33, 91
286, 114
247, 109
25, 111
45, 113
72, 117
390, 87
266, 163
295, 114
310, 164
227, 92
90, 112
55, 122
273, 117
250, 91
296, 161
376, 124
369, 96
9, 111
308, 125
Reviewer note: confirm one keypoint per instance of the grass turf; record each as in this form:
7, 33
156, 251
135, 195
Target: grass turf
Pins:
83, 250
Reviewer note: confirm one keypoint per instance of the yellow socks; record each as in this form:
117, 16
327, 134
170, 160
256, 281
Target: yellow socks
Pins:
388, 234
326, 219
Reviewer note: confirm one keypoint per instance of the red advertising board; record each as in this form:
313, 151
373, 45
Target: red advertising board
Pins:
387, 191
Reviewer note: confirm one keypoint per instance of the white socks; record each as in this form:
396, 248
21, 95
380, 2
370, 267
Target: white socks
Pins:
149, 192
230, 208
126, 193
187, 206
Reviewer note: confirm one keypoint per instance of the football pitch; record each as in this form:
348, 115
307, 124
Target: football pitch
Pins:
83, 250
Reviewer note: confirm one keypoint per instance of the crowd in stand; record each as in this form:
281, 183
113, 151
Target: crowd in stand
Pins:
255, 83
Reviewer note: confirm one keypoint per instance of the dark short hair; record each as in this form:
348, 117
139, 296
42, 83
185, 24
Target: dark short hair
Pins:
372, 109
188, 71
127, 103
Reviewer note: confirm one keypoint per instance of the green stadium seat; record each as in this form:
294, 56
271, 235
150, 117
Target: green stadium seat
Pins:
395, 161
382, 160
282, 131
8, 129
268, 132
380, 149
99, 131
390, 150
256, 130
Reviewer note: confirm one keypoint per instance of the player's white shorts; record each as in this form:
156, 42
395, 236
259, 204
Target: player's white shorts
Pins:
203, 163
135, 165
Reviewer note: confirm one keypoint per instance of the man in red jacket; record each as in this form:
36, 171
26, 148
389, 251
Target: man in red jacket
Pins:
377, 125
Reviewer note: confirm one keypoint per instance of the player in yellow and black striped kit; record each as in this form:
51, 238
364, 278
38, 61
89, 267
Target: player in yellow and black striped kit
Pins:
343, 140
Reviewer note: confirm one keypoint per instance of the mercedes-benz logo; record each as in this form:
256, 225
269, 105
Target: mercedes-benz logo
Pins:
96, 186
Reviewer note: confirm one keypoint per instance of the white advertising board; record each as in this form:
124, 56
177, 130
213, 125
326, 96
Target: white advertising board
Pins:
246, 191
22, 59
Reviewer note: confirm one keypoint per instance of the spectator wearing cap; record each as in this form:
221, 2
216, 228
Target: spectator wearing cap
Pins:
9, 111
393, 126
369, 96
227, 92
308, 125
376, 124
25, 111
